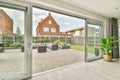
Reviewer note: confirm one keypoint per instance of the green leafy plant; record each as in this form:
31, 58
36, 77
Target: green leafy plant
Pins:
6, 43
63, 44
17, 44
42, 41
107, 45
34, 40
48, 39
57, 42
11, 45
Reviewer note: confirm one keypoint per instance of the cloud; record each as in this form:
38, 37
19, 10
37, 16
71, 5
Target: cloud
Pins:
66, 23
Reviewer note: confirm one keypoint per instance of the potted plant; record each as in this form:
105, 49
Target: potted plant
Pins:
56, 45
107, 47
1, 47
42, 49
96, 51
65, 46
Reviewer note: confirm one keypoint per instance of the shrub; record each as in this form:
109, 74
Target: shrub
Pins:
34, 41
45, 40
63, 44
6, 43
17, 44
58, 42
11, 45
41, 41
48, 40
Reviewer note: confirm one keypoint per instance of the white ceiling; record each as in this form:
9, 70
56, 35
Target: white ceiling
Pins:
102, 7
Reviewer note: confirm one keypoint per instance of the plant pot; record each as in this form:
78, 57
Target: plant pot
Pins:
65, 47
22, 49
42, 49
1, 50
107, 58
54, 47
96, 51
1, 47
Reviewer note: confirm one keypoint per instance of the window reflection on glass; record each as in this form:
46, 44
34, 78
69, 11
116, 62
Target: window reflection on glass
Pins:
11, 41
94, 38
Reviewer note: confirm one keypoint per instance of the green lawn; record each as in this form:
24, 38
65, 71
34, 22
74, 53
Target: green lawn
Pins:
81, 48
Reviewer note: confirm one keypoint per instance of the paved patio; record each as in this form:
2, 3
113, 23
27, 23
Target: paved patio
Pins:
54, 59
12, 61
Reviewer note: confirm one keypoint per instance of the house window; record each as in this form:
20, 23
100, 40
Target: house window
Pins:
46, 29
49, 22
77, 33
53, 29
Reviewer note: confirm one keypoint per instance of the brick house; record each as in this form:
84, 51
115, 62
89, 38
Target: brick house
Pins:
80, 31
49, 27
6, 24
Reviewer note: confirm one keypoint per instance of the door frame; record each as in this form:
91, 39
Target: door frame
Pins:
28, 39
94, 22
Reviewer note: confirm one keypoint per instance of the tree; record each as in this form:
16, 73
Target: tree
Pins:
18, 31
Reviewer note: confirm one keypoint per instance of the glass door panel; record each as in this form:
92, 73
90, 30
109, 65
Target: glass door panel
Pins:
14, 44
93, 41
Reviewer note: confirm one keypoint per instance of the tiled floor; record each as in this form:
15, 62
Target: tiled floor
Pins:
96, 70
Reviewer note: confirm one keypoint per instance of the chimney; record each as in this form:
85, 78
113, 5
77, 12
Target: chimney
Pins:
49, 14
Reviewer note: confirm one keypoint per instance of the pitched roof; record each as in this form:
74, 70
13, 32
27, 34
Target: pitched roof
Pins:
74, 29
49, 16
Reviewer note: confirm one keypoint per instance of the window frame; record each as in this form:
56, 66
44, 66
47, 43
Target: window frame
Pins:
52, 30
45, 29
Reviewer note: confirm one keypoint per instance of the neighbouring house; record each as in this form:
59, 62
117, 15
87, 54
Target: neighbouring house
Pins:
49, 27
80, 31
6, 24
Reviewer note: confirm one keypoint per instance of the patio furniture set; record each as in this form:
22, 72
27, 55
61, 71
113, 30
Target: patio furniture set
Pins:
43, 47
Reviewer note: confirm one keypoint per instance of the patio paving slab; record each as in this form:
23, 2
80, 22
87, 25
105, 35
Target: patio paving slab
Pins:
54, 59
12, 61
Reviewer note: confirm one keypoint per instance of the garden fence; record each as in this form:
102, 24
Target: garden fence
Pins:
72, 40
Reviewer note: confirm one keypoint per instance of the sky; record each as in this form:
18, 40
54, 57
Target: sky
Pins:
65, 22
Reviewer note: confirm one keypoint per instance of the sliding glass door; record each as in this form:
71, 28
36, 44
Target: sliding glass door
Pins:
93, 40
15, 41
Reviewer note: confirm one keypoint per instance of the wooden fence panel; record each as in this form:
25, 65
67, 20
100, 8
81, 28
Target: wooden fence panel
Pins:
71, 40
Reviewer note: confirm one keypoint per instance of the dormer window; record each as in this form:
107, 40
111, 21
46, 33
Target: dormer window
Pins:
49, 22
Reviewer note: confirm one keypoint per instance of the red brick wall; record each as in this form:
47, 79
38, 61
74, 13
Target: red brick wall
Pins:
1, 21
6, 24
